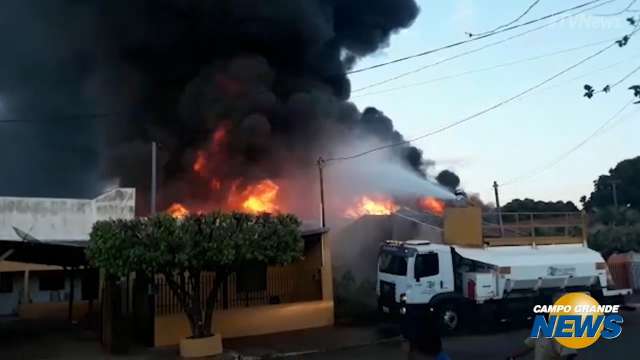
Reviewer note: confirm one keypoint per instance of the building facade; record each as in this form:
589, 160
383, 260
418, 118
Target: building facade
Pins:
259, 300
45, 289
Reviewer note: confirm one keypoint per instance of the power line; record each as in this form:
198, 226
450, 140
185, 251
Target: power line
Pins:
625, 77
453, 57
620, 122
63, 118
531, 6
484, 111
537, 171
431, 51
583, 75
590, 92
591, 72
473, 71
627, 9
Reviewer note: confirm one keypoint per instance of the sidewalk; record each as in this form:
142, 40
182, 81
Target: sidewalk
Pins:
633, 300
309, 341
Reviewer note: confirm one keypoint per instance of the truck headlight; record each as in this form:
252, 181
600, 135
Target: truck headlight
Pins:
403, 310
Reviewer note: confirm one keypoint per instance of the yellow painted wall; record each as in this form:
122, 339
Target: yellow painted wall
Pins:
58, 310
463, 226
264, 319
327, 271
258, 320
19, 266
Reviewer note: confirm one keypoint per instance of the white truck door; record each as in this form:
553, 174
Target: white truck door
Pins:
432, 274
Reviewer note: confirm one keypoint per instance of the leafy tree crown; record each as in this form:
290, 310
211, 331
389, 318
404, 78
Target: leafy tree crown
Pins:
204, 242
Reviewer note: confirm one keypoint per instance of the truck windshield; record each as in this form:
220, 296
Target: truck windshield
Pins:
392, 264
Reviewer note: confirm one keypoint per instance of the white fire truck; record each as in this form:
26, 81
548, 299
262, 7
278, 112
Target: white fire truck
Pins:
503, 276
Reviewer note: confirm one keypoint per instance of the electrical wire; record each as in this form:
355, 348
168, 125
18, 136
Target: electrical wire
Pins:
63, 118
531, 6
455, 44
465, 53
635, 70
627, 9
484, 69
484, 111
539, 170
620, 122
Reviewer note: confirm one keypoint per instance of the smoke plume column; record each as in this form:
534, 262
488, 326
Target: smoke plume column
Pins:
252, 87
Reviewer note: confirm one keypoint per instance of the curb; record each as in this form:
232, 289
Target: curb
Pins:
315, 351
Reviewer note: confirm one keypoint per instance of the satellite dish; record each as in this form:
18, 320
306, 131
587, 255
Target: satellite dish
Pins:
25, 236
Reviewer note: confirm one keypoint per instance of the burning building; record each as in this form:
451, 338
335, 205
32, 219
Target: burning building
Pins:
242, 96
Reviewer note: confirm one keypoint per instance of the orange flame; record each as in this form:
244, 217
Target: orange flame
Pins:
199, 164
368, 206
219, 135
432, 205
178, 211
215, 184
258, 198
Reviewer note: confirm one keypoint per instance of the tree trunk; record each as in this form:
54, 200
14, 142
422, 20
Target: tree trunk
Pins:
190, 298
179, 290
196, 301
210, 304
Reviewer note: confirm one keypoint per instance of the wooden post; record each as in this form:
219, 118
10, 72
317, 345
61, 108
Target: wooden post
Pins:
498, 208
152, 205
25, 291
585, 237
71, 293
321, 178
533, 228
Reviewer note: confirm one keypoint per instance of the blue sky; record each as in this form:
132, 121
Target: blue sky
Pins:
524, 134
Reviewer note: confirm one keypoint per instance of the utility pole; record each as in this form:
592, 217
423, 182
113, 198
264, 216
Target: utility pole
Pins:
154, 149
614, 190
321, 163
495, 192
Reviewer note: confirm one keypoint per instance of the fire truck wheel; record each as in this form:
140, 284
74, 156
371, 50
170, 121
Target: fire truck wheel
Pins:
450, 319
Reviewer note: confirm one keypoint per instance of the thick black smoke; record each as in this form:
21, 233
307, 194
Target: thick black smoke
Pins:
271, 73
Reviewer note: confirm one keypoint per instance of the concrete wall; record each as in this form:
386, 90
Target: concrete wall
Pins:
249, 321
35, 302
115, 204
57, 310
406, 229
265, 319
62, 219
463, 226
9, 302
35, 295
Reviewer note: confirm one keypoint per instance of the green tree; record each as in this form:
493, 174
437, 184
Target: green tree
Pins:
626, 175
615, 230
615, 239
181, 250
530, 205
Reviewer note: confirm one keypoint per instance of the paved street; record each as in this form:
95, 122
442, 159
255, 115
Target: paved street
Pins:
24, 340
498, 346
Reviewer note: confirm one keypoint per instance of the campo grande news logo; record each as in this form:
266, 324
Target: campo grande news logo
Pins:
576, 320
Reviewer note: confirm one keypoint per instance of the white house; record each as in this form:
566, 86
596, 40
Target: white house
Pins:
39, 238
